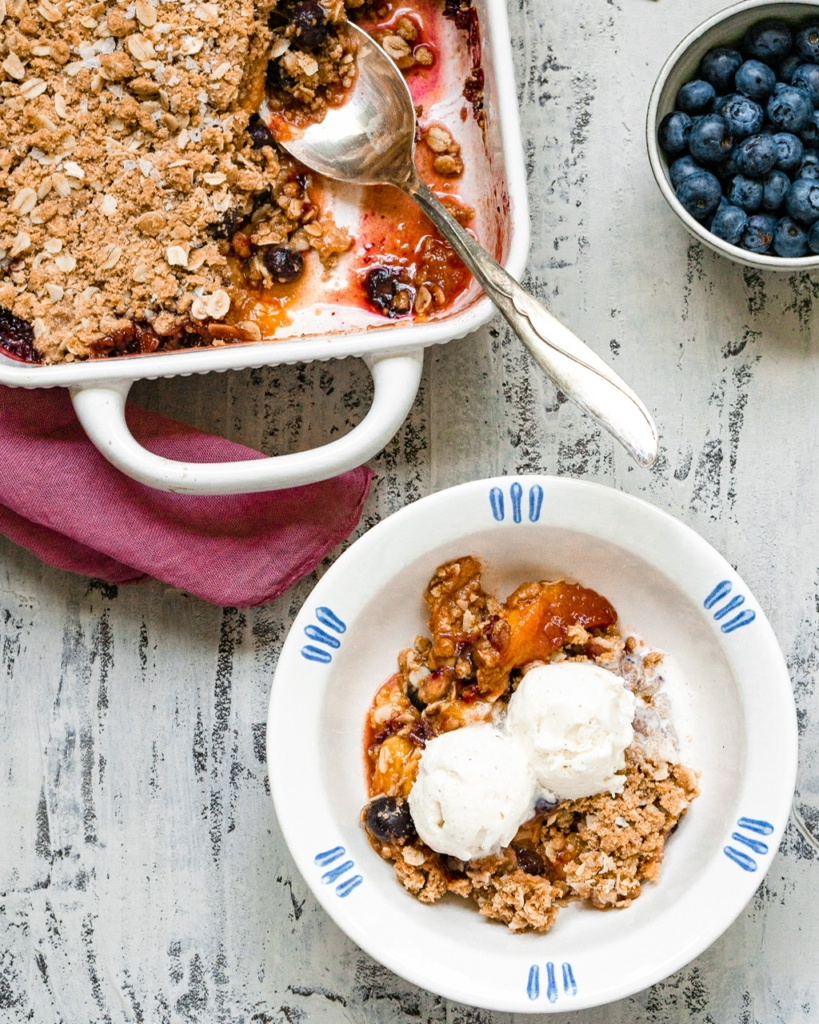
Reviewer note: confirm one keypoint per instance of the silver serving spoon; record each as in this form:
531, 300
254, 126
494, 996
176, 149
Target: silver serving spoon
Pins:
370, 140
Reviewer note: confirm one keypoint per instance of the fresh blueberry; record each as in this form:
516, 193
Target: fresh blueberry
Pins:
756, 155
745, 192
674, 131
744, 116
700, 194
696, 97
790, 109
768, 40
809, 165
755, 80
681, 168
806, 43
710, 139
810, 133
790, 239
802, 200
787, 68
729, 223
813, 237
775, 187
758, 233
806, 77
719, 66
790, 150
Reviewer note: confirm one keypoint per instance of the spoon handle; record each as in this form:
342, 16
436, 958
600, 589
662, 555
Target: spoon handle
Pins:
579, 373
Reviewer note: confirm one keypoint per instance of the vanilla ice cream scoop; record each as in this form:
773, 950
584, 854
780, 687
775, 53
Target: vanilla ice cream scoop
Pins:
574, 719
473, 791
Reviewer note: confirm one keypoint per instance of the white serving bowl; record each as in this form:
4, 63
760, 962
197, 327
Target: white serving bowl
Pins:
725, 28
732, 707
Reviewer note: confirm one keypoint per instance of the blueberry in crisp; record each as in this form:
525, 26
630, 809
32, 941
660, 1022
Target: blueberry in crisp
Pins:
16, 335
310, 24
284, 264
388, 820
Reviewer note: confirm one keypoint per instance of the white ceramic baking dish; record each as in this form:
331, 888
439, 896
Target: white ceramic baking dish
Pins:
495, 184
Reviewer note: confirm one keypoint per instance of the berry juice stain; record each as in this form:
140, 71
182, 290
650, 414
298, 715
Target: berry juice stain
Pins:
400, 264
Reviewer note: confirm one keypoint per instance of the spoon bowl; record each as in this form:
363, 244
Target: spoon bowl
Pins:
370, 139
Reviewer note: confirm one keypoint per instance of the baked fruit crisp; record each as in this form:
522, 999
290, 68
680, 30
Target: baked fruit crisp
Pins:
599, 848
146, 206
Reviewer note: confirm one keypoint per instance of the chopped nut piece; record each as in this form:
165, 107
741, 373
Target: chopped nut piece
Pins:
150, 223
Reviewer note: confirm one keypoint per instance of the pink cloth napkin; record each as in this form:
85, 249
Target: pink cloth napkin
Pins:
64, 502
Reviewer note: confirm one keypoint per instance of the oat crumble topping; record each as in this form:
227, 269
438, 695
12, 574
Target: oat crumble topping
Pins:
599, 849
143, 198
130, 155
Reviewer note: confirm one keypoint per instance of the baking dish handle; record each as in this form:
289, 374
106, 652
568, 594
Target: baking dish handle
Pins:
100, 409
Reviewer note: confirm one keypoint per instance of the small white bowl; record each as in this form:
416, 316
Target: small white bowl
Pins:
723, 29
732, 707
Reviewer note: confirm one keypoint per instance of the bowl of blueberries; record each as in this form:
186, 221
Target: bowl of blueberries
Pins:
733, 133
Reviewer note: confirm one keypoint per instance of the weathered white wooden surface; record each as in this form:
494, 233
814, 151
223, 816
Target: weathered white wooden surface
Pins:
142, 873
